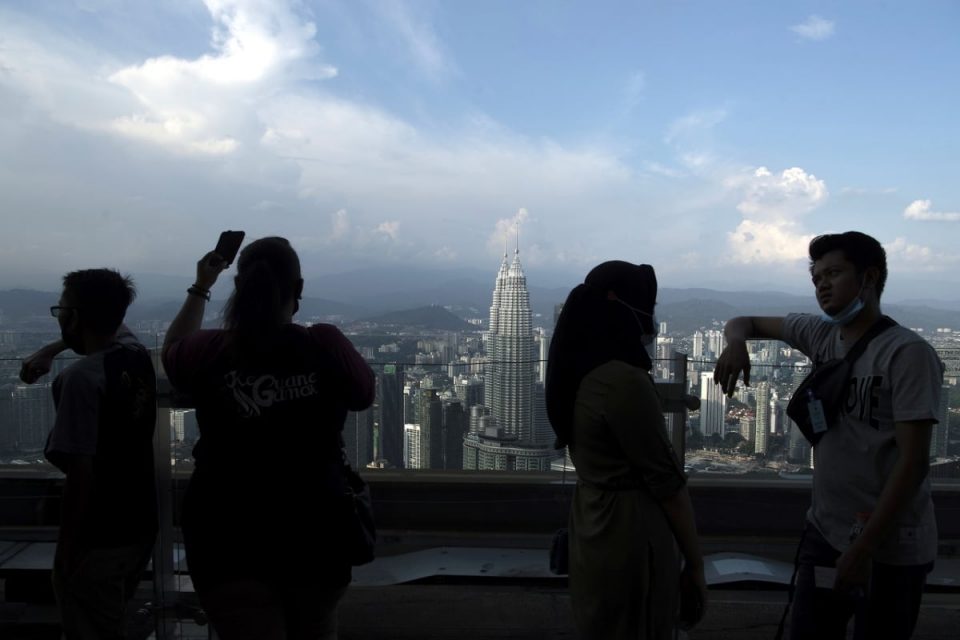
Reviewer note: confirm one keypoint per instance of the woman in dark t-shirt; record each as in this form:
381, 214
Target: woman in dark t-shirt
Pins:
271, 398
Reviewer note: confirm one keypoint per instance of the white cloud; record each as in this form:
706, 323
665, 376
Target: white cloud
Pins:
693, 123
389, 228
419, 38
920, 210
506, 232
914, 257
192, 105
814, 28
779, 196
261, 141
767, 242
867, 191
772, 205
340, 225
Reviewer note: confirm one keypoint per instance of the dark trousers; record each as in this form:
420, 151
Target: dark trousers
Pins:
888, 610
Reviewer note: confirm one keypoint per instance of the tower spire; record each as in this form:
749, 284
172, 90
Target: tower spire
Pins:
518, 237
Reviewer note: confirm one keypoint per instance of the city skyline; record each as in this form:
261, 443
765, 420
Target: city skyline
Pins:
710, 142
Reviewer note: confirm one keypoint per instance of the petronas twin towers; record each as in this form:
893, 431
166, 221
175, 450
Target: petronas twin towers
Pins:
511, 371
516, 435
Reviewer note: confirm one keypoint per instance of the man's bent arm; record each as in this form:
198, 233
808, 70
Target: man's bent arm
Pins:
735, 358
913, 443
40, 362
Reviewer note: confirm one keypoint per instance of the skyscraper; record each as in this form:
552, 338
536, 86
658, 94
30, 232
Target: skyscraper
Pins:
431, 430
763, 418
454, 428
512, 441
510, 347
390, 399
940, 437
411, 446
713, 405
33, 415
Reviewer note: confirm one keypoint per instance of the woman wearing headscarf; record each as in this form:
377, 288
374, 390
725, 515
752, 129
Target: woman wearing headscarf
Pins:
263, 521
631, 508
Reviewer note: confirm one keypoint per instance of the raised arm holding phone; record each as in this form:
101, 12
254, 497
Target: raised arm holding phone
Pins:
271, 399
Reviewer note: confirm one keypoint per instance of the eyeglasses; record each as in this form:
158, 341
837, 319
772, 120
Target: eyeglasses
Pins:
56, 311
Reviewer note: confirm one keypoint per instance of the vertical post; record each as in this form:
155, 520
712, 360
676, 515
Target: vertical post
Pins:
679, 431
164, 592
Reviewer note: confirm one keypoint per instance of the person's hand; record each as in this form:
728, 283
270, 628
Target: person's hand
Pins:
34, 366
853, 570
731, 362
693, 597
209, 269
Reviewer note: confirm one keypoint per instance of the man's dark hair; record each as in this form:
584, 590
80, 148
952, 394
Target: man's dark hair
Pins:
862, 250
101, 297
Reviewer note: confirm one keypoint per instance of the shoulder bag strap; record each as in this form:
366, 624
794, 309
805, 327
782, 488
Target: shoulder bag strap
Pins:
881, 325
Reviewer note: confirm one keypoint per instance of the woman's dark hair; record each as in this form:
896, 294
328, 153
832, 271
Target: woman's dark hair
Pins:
268, 278
593, 329
862, 250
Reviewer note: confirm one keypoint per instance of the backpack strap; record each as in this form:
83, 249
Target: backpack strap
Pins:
881, 325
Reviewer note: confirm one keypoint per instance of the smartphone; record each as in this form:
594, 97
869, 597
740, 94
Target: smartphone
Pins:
228, 245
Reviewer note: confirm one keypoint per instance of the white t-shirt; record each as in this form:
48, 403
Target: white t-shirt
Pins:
896, 379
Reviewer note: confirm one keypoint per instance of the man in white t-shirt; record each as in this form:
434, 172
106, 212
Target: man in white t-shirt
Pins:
871, 517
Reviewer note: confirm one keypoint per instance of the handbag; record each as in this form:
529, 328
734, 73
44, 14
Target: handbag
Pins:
360, 531
817, 400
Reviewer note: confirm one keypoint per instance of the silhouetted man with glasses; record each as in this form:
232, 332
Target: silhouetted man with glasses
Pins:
103, 441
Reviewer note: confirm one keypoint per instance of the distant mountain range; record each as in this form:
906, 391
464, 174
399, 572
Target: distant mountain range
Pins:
418, 296
431, 318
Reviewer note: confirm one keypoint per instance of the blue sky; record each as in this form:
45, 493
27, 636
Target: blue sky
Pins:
711, 140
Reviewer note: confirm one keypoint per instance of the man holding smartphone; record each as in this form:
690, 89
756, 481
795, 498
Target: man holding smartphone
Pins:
102, 440
871, 521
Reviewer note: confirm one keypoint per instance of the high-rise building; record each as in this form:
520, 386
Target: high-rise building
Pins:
713, 405
183, 425
714, 340
469, 389
697, 344
358, 437
510, 374
411, 446
763, 412
8, 428
454, 428
514, 440
390, 400
33, 415
431, 430
542, 431
543, 344
940, 437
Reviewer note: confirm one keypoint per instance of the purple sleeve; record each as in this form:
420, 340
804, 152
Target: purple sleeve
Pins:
358, 379
184, 360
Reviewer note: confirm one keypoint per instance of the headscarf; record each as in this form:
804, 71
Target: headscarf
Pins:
593, 330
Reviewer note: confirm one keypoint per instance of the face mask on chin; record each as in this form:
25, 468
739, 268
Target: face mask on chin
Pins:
846, 316
848, 313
